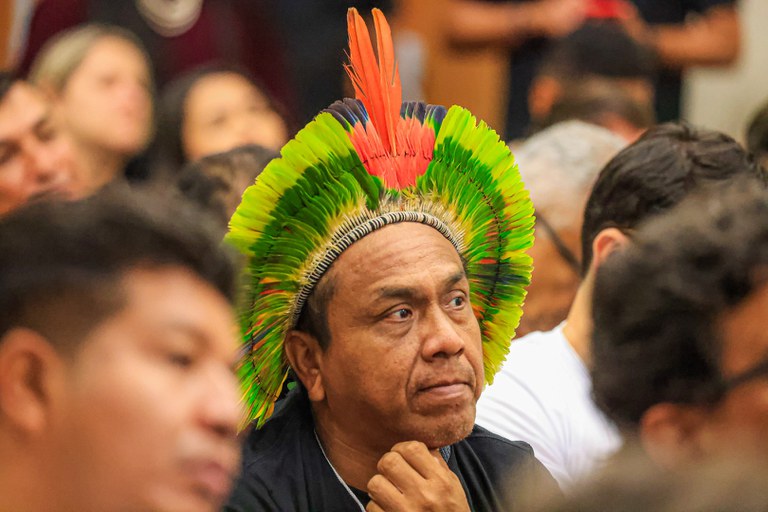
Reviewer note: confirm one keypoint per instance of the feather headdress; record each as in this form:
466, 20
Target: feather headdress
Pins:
362, 164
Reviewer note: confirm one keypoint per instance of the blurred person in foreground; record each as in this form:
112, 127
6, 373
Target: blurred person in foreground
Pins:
117, 343
98, 78
544, 394
36, 159
631, 484
559, 165
386, 266
680, 362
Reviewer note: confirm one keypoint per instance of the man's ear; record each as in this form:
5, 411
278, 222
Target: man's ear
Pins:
607, 242
305, 356
671, 434
28, 368
543, 93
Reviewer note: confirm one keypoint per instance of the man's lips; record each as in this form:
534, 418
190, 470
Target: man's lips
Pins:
213, 478
446, 388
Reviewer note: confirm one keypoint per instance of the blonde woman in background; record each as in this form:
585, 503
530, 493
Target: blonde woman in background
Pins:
101, 86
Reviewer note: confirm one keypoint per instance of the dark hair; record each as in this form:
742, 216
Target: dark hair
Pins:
657, 305
591, 100
7, 80
631, 482
598, 48
211, 182
314, 317
62, 262
167, 152
655, 173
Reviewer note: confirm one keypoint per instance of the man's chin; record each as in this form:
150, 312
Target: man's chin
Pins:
447, 430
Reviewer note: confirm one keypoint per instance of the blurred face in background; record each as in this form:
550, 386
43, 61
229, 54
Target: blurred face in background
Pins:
107, 101
225, 110
35, 158
553, 284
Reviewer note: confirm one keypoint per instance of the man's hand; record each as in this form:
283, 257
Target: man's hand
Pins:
413, 479
557, 18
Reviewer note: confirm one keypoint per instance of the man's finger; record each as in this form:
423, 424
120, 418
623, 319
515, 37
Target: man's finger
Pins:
374, 507
418, 456
386, 495
399, 472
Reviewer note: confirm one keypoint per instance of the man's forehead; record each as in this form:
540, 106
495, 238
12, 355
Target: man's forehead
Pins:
394, 257
21, 109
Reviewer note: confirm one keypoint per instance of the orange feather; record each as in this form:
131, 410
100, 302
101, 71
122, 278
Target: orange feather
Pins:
376, 83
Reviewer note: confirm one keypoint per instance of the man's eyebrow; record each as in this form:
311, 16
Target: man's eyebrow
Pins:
396, 292
455, 278
198, 337
407, 292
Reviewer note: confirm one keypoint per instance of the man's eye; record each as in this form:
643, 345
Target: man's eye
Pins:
46, 133
180, 359
401, 314
6, 153
458, 302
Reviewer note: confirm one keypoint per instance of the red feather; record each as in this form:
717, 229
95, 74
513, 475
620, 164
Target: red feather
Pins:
377, 84
398, 149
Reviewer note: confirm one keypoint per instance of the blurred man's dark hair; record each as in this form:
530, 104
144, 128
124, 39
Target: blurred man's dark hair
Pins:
216, 182
62, 262
655, 173
658, 307
598, 48
599, 51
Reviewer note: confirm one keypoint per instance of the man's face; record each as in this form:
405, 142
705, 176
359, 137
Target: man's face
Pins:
35, 159
553, 284
740, 421
148, 408
405, 358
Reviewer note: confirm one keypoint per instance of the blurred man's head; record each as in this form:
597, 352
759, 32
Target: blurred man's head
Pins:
216, 182
653, 175
117, 344
605, 103
601, 53
35, 159
559, 166
680, 346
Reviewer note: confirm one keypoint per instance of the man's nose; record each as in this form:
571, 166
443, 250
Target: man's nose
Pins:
220, 408
42, 162
442, 337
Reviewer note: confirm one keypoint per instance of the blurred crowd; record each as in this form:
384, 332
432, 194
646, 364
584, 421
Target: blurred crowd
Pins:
129, 131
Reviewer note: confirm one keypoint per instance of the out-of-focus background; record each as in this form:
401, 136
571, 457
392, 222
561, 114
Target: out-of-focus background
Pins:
719, 98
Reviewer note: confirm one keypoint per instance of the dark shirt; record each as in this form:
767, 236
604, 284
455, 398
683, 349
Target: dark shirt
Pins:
284, 468
525, 59
669, 82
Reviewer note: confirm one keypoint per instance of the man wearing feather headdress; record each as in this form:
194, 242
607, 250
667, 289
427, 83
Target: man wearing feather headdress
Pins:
386, 267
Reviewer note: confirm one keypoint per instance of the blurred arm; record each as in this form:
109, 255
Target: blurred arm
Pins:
711, 40
472, 22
